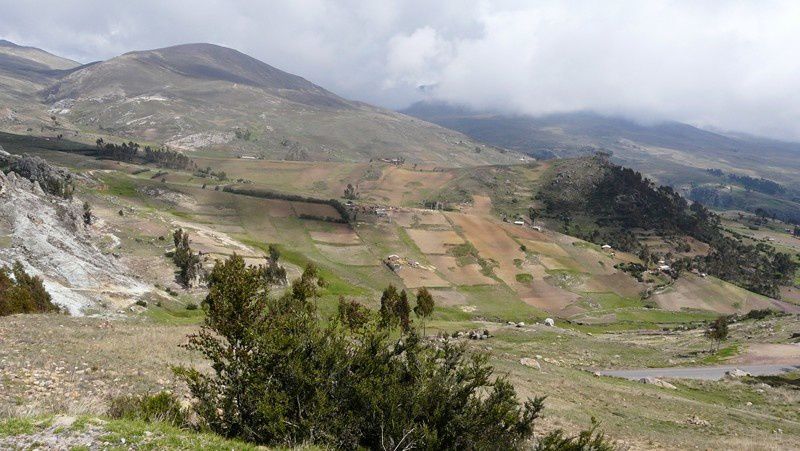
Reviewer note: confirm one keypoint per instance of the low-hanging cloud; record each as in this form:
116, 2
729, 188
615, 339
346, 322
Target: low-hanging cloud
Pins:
729, 65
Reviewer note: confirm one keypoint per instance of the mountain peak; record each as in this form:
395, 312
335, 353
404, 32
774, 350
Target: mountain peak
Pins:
215, 62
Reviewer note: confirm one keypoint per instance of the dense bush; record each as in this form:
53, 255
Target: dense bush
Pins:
22, 293
280, 376
161, 407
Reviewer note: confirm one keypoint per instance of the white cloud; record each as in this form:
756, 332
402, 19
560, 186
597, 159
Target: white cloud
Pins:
723, 64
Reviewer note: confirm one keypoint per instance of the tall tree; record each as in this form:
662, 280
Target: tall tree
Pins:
424, 307
402, 310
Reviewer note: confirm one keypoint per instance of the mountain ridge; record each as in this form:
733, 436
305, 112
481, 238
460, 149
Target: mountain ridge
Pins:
651, 148
208, 97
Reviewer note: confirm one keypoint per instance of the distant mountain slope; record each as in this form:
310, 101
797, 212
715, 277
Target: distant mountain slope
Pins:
34, 55
24, 71
204, 96
675, 153
172, 68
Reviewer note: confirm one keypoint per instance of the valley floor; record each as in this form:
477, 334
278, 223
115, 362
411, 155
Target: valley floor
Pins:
484, 273
60, 365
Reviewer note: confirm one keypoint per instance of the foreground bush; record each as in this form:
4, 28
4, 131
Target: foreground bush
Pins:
162, 407
22, 293
280, 377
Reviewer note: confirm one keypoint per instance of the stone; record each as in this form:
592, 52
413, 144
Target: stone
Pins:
532, 363
657, 382
736, 373
549, 322
697, 421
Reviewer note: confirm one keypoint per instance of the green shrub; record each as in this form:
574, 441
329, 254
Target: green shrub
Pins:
191, 306
280, 376
23, 293
588, 440
162, 407
759, 314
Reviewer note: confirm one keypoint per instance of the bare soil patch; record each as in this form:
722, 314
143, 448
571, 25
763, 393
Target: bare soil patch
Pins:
545, 248
434, 241
481, 205
418, 277
768, 354
336, 234
709, 293
620, 283
413, 217
400, 186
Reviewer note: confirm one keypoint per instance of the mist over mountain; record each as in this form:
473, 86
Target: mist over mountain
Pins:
669, 150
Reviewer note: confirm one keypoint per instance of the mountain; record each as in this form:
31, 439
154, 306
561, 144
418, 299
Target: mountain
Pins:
23, 72
204, 96
673, 152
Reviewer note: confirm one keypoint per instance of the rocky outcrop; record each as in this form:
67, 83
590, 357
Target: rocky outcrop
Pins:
47, 234
51, 179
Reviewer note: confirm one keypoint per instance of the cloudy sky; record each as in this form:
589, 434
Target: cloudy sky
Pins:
730, 65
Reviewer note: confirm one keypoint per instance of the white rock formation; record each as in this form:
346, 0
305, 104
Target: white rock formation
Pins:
46, 233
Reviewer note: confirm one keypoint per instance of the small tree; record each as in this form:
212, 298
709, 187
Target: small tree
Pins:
717, 331
352, 314
424, 307
87, 213
350, 192
308, 285
533, 214
274, 253
188, 263
389, 299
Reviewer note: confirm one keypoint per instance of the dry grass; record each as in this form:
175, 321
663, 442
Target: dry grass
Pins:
60, 364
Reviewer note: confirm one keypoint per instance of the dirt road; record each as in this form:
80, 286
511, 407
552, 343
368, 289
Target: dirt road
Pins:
702, 372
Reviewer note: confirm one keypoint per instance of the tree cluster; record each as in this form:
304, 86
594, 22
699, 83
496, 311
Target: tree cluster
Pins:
622, 200
130, 152
759, 184
23, 293
757, 267
280, 376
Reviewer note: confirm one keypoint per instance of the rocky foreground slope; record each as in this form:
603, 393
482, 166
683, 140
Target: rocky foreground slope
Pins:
48, 235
